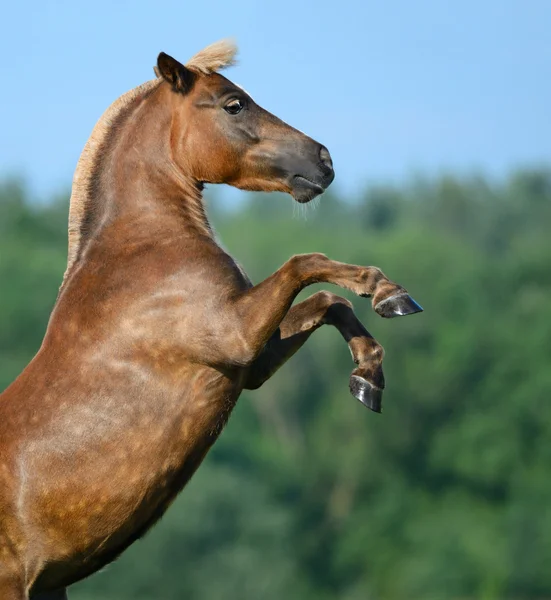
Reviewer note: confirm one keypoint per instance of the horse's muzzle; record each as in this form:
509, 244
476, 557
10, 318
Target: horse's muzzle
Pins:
314, 177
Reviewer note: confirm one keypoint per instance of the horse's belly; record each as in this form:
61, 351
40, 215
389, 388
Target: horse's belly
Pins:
91, 505
97, 528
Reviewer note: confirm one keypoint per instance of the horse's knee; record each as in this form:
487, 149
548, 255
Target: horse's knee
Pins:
336, 308
329, 298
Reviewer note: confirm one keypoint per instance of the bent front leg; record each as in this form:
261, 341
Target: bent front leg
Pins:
325, 308
261, 309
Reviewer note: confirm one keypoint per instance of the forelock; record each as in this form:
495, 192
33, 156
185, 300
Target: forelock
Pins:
214, 58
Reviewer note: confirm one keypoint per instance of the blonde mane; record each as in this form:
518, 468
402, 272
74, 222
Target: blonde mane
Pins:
209, 60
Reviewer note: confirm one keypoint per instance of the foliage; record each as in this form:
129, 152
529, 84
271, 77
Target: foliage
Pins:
309, 495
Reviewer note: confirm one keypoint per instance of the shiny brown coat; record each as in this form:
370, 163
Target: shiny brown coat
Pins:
156, 330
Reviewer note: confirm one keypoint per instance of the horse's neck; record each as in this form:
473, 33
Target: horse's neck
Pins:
139, 179
135, 188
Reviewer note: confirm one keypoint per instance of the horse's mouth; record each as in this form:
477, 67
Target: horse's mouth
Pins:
305, 189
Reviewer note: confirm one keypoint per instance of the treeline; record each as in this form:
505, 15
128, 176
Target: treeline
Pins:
308, 495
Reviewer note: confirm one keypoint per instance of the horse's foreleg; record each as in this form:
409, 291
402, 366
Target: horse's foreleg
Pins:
325, 308
260, 310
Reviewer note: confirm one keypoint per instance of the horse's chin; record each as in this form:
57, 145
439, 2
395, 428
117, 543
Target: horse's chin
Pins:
304, 190
304, 198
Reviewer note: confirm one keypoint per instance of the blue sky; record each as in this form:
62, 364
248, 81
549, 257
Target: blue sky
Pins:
392, 88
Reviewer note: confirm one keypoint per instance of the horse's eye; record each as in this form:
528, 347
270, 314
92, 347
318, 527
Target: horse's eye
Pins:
234, 107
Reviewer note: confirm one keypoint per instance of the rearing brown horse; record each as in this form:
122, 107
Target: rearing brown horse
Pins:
156, 330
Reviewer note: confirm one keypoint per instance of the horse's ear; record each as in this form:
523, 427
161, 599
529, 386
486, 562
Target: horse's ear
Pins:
179, 77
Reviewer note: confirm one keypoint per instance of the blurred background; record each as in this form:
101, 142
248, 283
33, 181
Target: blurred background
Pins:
437, 117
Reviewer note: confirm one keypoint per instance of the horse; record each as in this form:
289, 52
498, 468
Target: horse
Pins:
156, 330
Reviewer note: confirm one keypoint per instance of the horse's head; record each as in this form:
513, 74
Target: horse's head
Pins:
220, 135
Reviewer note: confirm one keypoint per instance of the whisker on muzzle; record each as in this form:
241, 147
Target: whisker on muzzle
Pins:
302, 211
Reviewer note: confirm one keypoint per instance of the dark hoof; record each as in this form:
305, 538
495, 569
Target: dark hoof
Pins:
366, 393
397, 306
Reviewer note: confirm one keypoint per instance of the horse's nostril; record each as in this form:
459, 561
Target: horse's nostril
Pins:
326, 157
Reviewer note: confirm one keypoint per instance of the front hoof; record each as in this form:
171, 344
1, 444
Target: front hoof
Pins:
397, 306
366, 393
